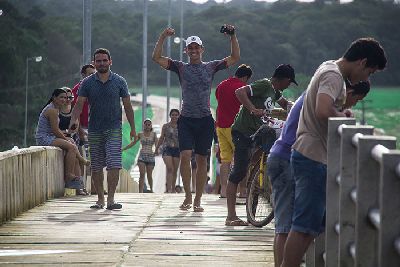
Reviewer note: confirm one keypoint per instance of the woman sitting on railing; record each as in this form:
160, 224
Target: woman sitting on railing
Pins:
65, 118
48, 133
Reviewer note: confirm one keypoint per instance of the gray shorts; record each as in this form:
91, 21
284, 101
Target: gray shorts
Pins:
280, 173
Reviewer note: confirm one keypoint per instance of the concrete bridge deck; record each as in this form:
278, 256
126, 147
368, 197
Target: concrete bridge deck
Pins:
150, 230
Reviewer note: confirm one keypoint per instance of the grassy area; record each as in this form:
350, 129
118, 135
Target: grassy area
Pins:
129, 156
381, 105
382, 110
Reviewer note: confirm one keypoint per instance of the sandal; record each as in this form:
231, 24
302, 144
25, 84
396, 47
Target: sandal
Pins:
236, 222
114, 206
198, 209
97, 206
81, 192
185, 206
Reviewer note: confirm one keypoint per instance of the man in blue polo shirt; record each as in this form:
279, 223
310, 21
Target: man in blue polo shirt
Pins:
104, 91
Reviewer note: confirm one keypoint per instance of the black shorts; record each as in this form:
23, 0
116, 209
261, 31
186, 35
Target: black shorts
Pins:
241, 156
171, 151
197, 133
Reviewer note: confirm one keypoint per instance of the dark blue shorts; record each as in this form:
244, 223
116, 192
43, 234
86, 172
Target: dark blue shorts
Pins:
310, 195
171, 152
197, 133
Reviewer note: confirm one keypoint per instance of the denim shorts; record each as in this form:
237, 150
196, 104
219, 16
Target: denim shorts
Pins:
310, 195
280, 174
171, 152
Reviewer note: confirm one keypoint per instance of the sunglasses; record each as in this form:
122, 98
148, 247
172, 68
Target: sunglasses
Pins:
70, 97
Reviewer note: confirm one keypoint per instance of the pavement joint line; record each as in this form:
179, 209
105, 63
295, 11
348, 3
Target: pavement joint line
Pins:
144, 226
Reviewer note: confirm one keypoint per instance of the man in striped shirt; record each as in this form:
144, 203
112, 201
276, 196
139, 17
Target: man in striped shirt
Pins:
104, 91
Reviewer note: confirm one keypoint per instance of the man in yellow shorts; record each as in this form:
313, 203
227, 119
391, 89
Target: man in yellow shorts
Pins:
228, 107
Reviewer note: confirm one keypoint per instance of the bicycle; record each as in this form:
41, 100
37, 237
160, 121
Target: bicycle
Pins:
259, 206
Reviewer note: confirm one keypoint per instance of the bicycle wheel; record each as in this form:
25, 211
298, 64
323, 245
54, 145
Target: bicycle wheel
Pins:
259, 200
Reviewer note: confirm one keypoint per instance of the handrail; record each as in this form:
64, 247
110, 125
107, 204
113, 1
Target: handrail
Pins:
397, 245
355, 139
338, 178
397, 170
377, 152
353, 195
375, 218
352, 250
337, 228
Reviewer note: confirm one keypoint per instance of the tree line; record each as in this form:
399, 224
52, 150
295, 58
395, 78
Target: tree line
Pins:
302, 34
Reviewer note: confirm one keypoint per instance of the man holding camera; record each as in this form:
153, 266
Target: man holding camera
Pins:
195, 125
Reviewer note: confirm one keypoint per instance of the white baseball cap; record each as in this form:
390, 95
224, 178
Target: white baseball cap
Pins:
193, 39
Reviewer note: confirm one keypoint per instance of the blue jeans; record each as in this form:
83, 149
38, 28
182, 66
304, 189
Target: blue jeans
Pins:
310, 194
280, 174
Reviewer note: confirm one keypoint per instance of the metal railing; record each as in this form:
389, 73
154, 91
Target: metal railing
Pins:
363, 199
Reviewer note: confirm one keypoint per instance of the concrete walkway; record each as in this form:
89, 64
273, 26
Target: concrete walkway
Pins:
150, 230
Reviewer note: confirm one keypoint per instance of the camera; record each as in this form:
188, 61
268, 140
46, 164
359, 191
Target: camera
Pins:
225, 29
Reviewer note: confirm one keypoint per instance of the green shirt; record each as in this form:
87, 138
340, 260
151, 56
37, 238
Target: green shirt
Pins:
263, 97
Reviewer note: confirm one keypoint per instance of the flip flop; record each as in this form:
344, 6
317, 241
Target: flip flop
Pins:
185, 206
198, 209
221, 197
97, 206
114, 206
236, 222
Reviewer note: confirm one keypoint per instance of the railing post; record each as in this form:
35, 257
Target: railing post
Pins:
389, 210
366, 240
332, 189
319, 250
347, 207
310, 255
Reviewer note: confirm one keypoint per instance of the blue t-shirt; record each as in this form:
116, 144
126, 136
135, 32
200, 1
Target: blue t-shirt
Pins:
104, 100
196, 81
283, 146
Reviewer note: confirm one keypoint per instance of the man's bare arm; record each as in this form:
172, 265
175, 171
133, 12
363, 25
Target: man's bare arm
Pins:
158, 49
235, 50
242, 95
324, 107
130, 116
77, 110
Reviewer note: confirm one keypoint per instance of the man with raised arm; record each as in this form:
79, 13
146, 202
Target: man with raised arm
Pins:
195, 125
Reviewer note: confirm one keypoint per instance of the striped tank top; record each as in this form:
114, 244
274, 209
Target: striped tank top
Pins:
147, 142
43, 128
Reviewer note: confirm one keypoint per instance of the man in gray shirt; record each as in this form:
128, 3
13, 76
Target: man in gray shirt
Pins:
195, 125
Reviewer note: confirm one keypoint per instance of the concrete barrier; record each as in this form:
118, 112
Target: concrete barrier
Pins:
30, 176
363, 199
